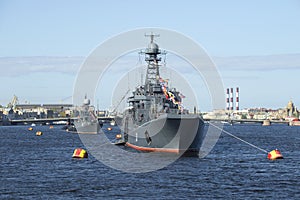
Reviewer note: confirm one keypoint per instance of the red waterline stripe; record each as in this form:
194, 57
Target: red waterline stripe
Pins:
166, 150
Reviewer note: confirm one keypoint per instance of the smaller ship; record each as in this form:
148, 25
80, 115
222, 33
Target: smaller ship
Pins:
112, 123
87, 121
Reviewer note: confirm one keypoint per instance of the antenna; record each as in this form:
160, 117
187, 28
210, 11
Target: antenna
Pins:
151, 36
139, 65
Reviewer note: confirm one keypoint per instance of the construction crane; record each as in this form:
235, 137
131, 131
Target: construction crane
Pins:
14, 101
114, 110
66, 98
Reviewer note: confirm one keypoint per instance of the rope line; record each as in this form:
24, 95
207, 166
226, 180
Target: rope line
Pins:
236, 137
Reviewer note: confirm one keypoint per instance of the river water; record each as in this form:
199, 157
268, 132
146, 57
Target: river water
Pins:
42, 167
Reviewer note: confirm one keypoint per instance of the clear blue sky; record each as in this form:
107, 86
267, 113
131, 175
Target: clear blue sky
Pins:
31, 28
75, 28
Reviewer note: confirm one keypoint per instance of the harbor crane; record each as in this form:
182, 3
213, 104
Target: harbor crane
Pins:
14, 101
115, 108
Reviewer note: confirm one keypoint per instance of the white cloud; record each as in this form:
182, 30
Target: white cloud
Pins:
14, 66
268, 62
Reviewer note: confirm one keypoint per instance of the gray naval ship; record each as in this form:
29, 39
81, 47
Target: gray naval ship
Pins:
86, 122
155, 120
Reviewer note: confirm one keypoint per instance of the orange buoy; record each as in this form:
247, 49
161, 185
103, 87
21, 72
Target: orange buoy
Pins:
275, 154
80, 153
39, 133
109, 128
30, 128
50, 127
118, 136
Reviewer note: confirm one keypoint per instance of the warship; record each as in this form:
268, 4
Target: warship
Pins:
155, 119
86, 121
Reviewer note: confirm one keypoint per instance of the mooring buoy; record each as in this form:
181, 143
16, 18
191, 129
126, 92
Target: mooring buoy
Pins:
274, 154
39, 133
118, 136
80, 153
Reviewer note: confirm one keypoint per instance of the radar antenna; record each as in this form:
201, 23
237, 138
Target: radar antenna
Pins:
152, 36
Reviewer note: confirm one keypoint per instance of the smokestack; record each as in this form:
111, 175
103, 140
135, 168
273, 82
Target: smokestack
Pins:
237, 99
231, 98
227, 99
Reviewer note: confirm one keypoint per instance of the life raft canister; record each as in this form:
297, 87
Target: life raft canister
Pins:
275, 154
80, 153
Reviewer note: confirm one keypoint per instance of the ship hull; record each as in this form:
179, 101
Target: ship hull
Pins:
180, 134
90, 128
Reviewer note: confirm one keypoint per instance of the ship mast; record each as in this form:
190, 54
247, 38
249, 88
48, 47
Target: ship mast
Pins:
152, 58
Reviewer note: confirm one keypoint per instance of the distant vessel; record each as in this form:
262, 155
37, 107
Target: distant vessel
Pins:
112, 123
155, 120
86, 122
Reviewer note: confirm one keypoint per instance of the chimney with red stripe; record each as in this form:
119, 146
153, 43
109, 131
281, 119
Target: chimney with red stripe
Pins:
237, 99
227, 99
231, 98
